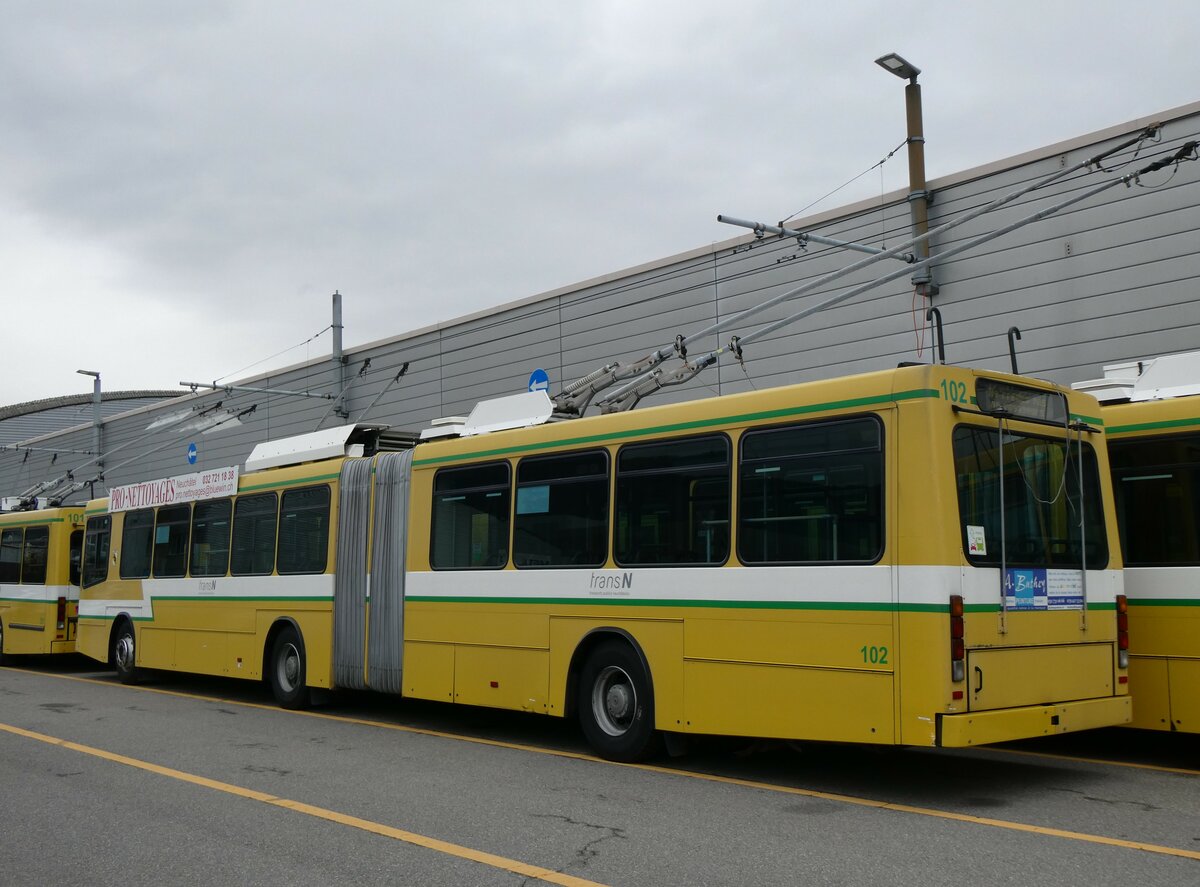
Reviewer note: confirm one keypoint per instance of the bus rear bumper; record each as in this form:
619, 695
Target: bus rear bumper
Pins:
1028, 722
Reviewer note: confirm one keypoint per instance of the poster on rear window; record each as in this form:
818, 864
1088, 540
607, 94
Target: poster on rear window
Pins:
1040, 589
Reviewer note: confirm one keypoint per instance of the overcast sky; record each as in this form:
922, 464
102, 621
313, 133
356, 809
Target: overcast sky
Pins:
183, 185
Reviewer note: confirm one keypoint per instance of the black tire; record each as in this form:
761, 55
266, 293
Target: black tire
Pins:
124, 654
616, 704
286, 670
1, 642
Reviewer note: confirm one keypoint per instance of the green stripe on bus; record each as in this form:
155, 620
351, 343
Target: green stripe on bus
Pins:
249, 600
631, 602
1164, 602
289, 483
221, 599
783, 413
9, 524
1155, 426
732, 605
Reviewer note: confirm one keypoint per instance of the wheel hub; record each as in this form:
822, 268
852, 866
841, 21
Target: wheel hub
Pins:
124, 652
618, 701
289, 667
614, 701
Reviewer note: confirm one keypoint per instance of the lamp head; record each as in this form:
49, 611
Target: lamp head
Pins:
897, 65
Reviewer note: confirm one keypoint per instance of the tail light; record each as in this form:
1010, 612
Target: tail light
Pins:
62, 613
1122, 631
958, 649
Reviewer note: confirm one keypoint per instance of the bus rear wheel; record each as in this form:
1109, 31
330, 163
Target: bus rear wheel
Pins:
286, 671
616, 704
1, 641
124, 654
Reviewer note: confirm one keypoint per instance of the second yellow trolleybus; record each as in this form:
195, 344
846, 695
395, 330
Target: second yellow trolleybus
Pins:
1151, 411
39, 579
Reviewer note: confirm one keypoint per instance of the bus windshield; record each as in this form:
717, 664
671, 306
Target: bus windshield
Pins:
1036, 492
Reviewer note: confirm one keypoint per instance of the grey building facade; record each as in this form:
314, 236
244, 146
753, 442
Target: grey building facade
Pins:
1115, 277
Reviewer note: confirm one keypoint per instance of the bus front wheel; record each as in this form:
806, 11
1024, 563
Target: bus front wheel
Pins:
125, 654
616, 704
287, 670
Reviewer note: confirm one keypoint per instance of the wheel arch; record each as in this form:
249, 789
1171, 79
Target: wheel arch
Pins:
589, 642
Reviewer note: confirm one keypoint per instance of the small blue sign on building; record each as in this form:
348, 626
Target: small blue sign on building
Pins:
539, 380
192, 453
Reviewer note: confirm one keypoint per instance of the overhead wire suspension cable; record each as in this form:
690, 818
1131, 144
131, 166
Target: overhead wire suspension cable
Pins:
645, 367
639, 388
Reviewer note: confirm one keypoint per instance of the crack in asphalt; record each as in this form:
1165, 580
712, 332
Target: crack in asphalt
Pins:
588, 851
1110, 801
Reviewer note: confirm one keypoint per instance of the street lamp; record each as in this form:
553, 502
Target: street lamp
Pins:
918, 195
95, 414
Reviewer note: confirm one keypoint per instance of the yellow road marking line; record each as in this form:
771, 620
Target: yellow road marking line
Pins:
939, 814
533, 748
387, 831
1010, 825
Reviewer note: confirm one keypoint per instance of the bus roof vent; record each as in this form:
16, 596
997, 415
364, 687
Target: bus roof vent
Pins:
19, 503
499, 414
447, 426
1159, 378
514, 411
328, 443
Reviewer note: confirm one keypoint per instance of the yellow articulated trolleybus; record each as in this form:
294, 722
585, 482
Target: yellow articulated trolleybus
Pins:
923, 556
39, 580
1151, 411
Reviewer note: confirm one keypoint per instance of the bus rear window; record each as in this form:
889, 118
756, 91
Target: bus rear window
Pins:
1027, 505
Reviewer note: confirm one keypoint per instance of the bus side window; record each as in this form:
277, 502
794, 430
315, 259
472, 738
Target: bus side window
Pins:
137, 544
171, 541
254, 524
673, 502
10, 555
470, 518
33, 564
811, 493
304, 531
210, 537
95, 550
1157, 484
76, 558
562, 511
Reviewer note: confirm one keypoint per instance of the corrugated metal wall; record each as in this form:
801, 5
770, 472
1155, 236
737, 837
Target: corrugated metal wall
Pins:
1115, 278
